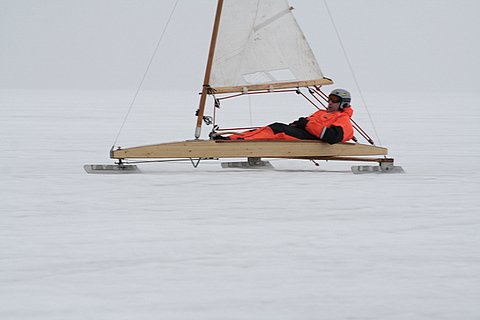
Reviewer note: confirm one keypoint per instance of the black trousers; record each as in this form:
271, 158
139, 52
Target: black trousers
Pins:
292, 131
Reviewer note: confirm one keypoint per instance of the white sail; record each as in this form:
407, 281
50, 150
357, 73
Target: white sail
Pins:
260, 46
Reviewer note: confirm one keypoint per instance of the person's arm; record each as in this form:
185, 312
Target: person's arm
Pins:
337, 131
332, 134
300, 123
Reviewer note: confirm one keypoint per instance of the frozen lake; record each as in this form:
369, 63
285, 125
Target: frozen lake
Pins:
298, 242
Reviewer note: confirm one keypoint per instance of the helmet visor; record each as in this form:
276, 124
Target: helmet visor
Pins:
334, 98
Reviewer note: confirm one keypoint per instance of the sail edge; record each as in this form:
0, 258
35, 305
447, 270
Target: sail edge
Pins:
271, 86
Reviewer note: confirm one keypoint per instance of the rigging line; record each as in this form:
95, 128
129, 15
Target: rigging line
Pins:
303, 95
313, 95
351, 70
146, 71
354, 124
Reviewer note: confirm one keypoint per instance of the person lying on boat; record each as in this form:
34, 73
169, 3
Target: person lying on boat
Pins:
332, 125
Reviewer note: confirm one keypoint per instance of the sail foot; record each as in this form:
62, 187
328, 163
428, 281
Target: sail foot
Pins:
270, 86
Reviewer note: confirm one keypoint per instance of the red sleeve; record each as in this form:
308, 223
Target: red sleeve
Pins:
315, 126
344, 122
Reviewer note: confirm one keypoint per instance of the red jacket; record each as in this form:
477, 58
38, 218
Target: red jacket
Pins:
322, 119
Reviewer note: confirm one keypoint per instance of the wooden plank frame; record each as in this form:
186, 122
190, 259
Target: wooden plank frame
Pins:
301, 149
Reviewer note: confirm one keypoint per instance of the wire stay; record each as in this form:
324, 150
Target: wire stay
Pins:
146, 71
351, 70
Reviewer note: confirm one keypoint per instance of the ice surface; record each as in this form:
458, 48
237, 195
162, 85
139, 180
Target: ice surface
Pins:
174, 242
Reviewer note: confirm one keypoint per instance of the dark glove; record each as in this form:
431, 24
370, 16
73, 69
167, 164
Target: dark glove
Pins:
301, 123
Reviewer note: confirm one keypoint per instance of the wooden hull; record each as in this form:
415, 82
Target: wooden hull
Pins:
302, 149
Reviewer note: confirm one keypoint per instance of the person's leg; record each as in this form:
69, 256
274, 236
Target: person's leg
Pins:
274, 131
261, 133
291, 131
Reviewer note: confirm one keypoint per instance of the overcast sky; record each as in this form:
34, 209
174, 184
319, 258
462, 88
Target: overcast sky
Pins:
393, 45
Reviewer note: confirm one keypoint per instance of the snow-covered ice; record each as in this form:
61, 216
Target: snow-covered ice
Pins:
174, 242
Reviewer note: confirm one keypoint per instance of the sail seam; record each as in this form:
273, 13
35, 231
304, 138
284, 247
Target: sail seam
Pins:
271, 20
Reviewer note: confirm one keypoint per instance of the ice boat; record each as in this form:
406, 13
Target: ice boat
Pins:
264, 52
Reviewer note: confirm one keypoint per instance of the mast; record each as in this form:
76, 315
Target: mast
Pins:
208, 69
